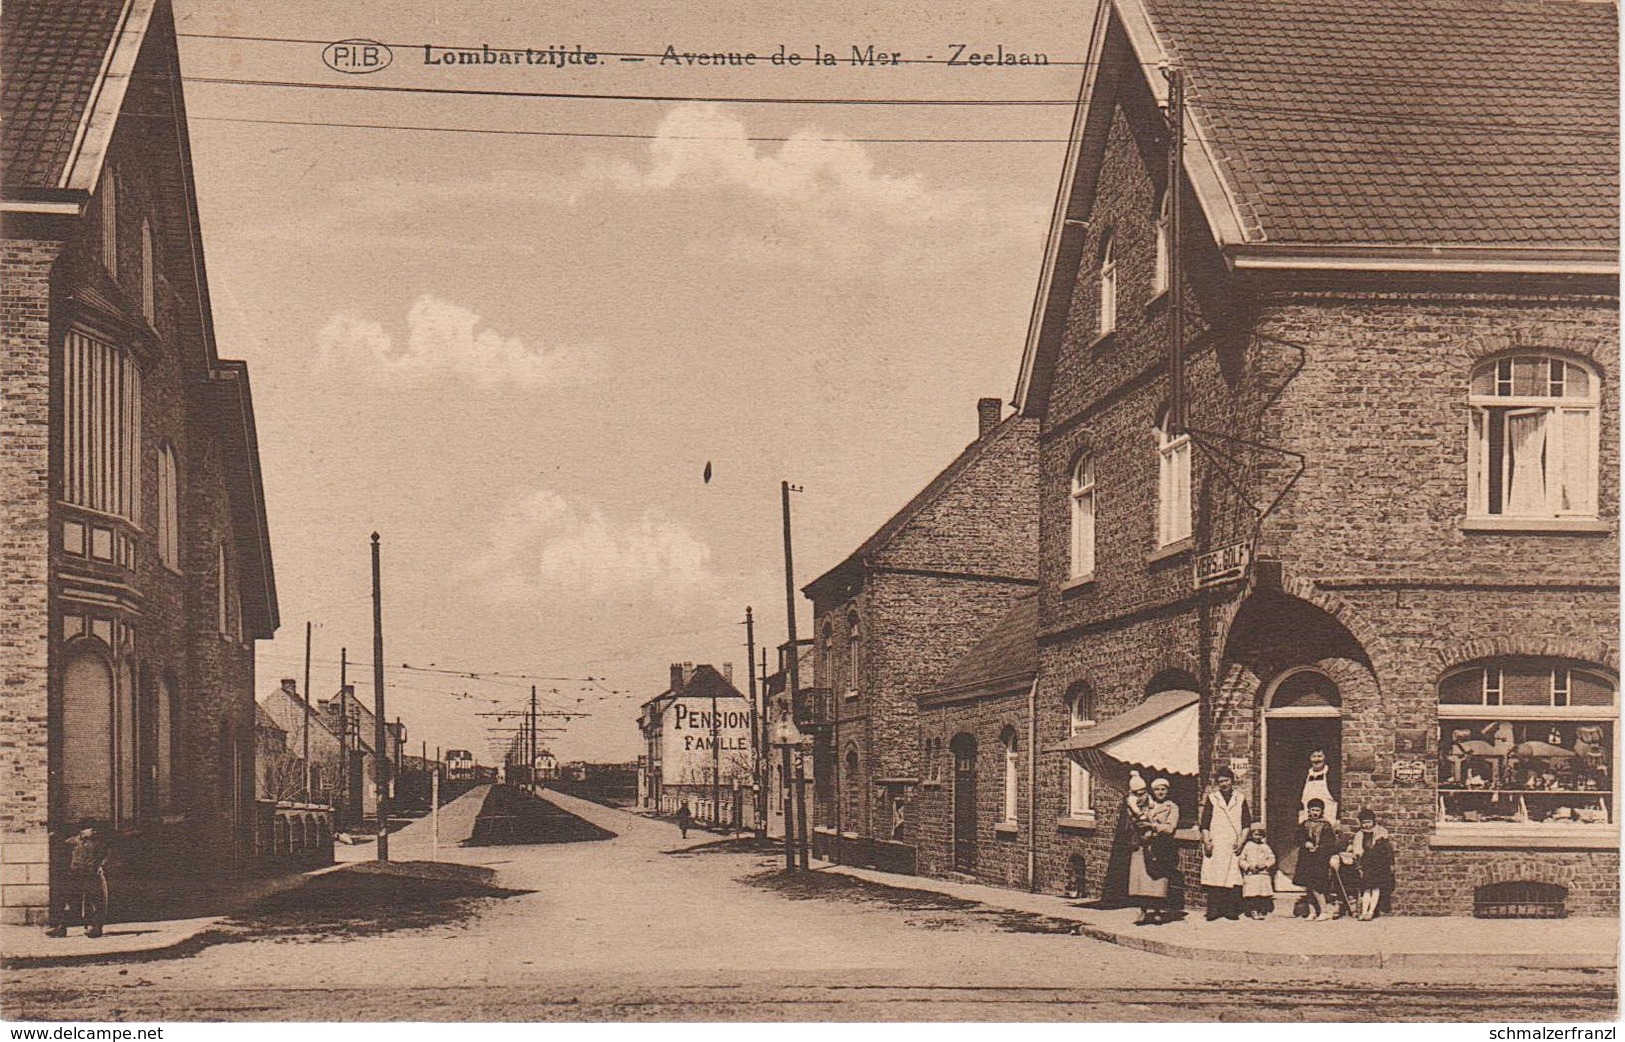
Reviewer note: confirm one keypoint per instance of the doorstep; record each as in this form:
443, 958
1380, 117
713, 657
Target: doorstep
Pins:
1281, 940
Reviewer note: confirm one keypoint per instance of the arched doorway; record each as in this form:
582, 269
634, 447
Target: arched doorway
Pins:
963, 748
1303, 712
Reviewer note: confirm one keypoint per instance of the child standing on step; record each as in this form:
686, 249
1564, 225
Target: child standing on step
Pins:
1257, 863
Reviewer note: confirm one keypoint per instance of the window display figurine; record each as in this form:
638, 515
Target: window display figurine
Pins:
1476, 780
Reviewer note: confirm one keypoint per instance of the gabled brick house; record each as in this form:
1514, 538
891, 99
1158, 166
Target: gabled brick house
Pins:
137, 566
891, 618
1388, 527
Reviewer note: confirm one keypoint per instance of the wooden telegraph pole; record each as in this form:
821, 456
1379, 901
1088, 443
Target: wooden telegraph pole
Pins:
305, 754
759, 801
792, 793
380, 747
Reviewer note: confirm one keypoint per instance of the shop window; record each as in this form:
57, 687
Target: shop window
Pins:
1527, 744
1083, 518
853, 810
1532, 450
87, 736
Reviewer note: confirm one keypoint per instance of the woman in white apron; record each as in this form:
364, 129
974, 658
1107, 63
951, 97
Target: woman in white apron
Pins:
1317, 786
1225, 819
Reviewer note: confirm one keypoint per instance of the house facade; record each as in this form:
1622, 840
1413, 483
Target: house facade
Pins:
137, 572
1378, 515
697, 746
891, 618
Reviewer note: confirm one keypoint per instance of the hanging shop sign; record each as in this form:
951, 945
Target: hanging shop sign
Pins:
1226, 564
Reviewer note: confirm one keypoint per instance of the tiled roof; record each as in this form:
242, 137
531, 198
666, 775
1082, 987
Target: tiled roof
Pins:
1408, 122
51, 51
1008, 652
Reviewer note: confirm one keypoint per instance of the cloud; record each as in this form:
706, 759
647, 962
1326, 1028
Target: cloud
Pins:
547, 545
702, 146
446, 339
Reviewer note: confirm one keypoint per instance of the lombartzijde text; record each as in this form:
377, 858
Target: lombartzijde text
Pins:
1542, 1033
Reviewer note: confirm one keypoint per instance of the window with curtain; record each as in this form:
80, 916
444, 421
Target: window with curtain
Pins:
1012, 776
1108, 284
102, 427
1079, 794
1159, 274
1083, 518
1173, 485
1532, 450
169, 538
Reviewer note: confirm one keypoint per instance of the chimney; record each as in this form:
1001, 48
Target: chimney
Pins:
728, 673
988, 413
688, 673
291, 686
677, 676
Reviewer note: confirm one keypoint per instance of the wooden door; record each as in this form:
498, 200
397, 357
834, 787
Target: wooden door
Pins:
964, 751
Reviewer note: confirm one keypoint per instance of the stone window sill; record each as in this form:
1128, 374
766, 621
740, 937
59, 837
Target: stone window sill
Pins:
1079, 582
931, 784
1076, 823
1525, 837
1174, 549
1535, 524
1006, 828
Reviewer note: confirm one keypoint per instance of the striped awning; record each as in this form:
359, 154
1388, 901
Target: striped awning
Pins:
1162, 733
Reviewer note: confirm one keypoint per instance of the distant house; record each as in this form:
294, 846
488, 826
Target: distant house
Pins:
891, 618
697, 740
290, 713
137, 560
278, 772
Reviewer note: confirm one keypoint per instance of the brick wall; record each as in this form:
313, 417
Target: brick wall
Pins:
25, 527
1383, 587
1001, 853
922, 601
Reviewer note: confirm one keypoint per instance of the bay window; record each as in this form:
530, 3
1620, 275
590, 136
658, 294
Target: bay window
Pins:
102, 422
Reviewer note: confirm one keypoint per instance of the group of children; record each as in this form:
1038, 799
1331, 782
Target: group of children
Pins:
1338, 877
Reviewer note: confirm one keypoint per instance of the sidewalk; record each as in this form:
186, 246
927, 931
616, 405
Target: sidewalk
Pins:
1281, 940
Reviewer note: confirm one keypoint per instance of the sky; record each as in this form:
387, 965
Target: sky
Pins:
513, 354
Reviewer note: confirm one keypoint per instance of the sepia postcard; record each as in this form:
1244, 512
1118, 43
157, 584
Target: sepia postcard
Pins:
830, 511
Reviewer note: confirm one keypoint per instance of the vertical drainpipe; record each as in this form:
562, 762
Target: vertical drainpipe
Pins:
1032, 785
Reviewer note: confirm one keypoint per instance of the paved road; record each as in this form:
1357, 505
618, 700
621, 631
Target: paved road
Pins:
627, 929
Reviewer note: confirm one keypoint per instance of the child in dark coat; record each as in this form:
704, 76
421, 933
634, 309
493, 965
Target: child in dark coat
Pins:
1317, 842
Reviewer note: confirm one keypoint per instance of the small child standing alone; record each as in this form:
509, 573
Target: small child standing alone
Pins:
1257, 863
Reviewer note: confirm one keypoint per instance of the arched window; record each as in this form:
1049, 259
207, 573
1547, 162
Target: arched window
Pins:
87, 736
1159, 274
1012, 775
1526, 745
169, 538
1108, 284
853, 815
109, 215
854, 648
826, 655
1173, 485
1532, 449
1083, 518
149, 287
168, 749
1079, 785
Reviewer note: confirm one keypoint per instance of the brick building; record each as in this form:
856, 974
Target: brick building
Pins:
1387, 527
137, 567
891, 618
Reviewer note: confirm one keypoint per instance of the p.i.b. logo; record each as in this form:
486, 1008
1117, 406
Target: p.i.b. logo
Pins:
357, 57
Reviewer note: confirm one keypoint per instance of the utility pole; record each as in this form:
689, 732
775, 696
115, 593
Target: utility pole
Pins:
343, 806
758, 802
380, 753
305, 755
791, 789
716, 763
530, 771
